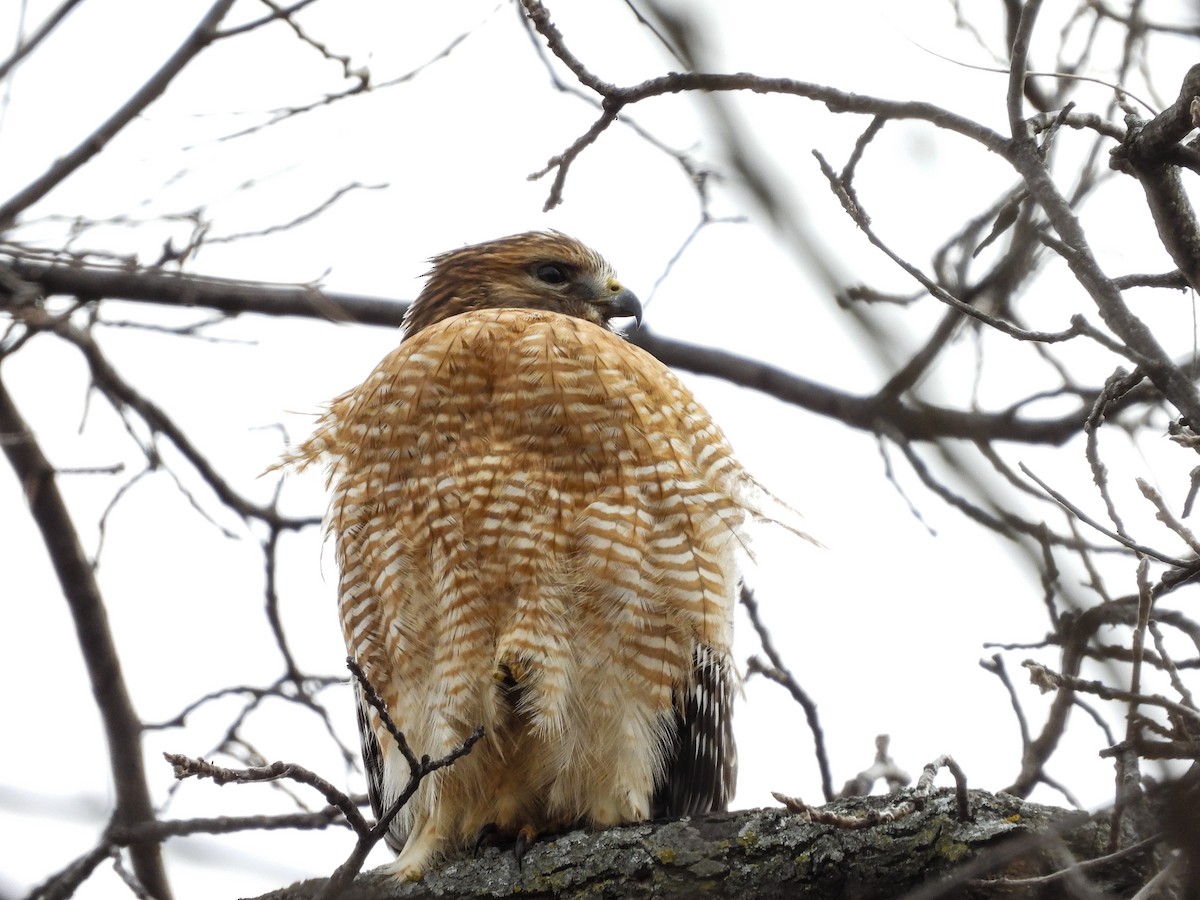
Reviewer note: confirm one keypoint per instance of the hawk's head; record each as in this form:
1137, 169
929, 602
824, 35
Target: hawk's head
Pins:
536, 270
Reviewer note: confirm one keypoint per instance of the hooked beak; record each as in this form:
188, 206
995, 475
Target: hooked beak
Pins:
622, 304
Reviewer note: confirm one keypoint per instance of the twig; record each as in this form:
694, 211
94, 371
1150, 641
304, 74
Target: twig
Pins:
883, 767
1185, 695
1117, 385
916, 801
863, 221
1088, 520
31, 43
122, 394
1049, 680
780, 674
344, 875
186, 767
996, 666
296, 221
1168, 518
1078, 866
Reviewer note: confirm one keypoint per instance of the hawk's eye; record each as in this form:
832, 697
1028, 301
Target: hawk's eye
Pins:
551, 273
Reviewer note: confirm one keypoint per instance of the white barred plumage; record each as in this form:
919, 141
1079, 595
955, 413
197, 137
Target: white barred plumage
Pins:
537, 528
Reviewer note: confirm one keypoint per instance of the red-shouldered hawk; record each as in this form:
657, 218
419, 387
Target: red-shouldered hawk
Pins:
536, 526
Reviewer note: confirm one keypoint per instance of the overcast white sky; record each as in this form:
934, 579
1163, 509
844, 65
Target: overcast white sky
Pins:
884, 627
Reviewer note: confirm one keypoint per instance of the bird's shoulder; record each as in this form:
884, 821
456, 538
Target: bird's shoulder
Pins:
483, 345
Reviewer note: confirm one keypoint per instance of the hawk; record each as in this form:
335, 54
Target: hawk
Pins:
537, 528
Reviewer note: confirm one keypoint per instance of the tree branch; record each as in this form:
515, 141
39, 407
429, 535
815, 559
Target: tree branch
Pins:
121, 724
913, 420
203, 34
1146, 154
31, 43
772, 853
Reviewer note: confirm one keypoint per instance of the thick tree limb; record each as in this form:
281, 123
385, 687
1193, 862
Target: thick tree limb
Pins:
771, 853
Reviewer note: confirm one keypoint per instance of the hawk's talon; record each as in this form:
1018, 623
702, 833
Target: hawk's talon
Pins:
486, 837
525, 839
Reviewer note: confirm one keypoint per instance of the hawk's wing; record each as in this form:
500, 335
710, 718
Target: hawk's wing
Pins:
702, 760
380, 792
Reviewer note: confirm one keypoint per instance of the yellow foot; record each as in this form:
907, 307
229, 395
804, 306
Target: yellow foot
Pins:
419, 851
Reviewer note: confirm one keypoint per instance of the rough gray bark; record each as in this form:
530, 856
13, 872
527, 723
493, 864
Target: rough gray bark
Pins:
770, 853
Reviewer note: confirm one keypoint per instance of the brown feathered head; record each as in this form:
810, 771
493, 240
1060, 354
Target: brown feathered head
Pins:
535, 270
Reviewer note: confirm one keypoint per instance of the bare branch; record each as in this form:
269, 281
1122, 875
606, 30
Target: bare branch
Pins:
121, 724
204, 34
31, 43
186, 767
914, 420
781, 675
